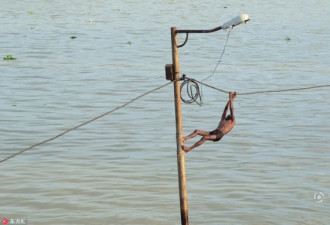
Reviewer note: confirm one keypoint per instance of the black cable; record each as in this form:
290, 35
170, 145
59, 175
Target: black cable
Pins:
85, 123
193, 92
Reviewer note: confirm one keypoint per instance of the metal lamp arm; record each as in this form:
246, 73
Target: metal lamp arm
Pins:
228, 25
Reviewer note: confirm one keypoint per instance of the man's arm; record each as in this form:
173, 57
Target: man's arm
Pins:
225, 111
231, 106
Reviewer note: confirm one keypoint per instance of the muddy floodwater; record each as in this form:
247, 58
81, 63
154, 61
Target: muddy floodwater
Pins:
78, 59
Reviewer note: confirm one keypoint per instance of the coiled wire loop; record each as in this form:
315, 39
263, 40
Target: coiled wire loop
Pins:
192, 90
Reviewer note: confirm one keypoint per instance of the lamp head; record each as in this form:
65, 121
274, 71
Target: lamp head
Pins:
236, 21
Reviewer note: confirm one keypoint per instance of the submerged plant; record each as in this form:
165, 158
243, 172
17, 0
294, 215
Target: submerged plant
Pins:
288, 38
9, 57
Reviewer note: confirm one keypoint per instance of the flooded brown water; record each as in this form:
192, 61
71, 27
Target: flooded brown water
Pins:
273, 168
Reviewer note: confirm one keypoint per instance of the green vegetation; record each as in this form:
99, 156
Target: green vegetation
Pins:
129, 43
288, 38
30, 12
9, 57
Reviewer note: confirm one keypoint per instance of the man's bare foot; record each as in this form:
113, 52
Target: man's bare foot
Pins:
186, 149
234, 94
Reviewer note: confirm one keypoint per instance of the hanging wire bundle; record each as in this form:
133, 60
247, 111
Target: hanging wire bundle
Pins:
194, 93
192, 90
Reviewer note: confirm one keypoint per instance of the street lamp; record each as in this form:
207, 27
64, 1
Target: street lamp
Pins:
172, 73
228, 25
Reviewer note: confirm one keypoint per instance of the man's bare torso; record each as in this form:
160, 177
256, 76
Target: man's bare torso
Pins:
225, 126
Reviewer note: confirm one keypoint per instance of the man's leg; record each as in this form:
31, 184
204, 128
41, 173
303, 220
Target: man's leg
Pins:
195, 133
200, 142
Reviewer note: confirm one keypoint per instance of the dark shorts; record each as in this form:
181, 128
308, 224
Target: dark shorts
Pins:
217, 133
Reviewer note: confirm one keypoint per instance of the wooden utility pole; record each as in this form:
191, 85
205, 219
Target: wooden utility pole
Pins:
178, 120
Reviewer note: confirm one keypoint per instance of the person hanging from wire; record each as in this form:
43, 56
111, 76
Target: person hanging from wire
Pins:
225, 125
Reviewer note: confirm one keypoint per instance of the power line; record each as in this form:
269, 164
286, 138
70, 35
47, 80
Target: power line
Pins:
265, 91
193, 90
194, 95
85, 123
284, 90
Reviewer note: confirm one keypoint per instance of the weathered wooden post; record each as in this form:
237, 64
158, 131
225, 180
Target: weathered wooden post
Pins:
178, 120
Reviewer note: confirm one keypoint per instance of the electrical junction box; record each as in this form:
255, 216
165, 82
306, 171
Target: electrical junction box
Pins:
169, 72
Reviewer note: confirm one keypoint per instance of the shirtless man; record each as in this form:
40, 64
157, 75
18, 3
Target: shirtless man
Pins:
226, 124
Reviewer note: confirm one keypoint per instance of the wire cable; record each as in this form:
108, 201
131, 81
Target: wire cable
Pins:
267, 91
284, 90
222, 53
194, 93
85, 123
